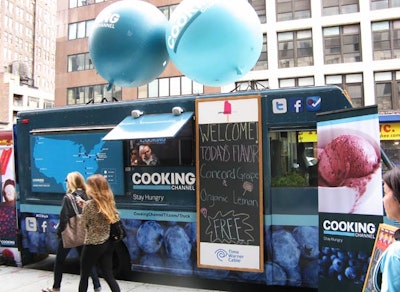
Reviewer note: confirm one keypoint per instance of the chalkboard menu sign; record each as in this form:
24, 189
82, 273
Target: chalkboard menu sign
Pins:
229, 183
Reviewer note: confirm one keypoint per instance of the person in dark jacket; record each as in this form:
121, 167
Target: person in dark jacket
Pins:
77, 188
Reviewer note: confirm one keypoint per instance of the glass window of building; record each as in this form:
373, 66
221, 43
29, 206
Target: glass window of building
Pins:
72, 31
262, 63
292, 9
387, 90
260, 8
383, 4
33, 102
89, 27
93, 94
335, 7
48, 104
175, 85
197, 88
352, 84
152, 89
18, 100
79, 62
186, 85
296, 82
163, 87
172, 86
295, 49
342, 44
76, 62
79, 3
386, 39
79, 30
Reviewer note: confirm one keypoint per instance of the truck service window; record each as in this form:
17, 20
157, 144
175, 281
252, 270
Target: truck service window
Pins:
293, 159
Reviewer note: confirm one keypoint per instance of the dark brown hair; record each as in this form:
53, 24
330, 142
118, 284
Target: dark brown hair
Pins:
392, 180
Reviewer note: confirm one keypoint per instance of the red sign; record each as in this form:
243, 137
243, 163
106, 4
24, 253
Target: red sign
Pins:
6, 138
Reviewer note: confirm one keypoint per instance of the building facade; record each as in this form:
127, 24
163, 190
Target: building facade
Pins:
351, 43
27, 75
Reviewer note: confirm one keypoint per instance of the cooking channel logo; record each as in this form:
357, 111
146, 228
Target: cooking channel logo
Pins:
228, 256
349, 228
175, 181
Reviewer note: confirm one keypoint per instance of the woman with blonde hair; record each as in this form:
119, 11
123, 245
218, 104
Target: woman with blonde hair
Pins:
98, 213
77, 188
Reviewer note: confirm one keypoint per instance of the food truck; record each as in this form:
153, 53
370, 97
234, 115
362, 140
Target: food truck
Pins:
233, 195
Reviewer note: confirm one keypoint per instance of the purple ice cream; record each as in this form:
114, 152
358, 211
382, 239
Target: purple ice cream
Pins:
344, 158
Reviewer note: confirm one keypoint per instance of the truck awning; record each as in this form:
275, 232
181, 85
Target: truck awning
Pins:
164, 125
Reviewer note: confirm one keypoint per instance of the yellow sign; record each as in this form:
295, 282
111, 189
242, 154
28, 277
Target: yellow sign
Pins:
308, 136
388, 131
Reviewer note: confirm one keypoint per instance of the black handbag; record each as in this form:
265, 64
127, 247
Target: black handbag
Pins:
117, 231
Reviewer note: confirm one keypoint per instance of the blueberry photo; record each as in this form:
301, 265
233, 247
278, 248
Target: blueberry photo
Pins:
342, 265
285, 250
150, 236
307, 238
177, 243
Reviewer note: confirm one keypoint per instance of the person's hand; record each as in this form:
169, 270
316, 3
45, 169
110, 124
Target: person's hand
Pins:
80, 202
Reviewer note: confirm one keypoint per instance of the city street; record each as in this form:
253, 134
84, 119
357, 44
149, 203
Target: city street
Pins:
34, 277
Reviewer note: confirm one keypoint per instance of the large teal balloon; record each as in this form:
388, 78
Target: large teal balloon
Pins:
127, 44
214, 42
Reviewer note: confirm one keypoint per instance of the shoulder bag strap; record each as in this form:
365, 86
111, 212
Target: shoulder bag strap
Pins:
71, 197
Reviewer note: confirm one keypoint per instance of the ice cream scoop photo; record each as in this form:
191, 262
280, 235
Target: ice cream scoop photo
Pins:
347, 173
346, 157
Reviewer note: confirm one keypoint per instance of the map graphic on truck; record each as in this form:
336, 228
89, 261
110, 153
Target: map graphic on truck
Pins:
54, 156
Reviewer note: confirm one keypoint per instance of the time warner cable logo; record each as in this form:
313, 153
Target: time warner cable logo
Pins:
221, 254
230, 255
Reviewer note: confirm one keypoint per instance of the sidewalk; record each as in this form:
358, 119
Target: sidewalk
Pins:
33, 280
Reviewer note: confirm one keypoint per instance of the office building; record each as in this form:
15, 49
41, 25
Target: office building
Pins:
354, 44
27, 75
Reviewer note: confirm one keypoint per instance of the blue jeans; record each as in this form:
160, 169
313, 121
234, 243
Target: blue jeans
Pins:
61, 255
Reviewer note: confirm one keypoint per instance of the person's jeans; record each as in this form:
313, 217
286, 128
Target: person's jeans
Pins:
61, 255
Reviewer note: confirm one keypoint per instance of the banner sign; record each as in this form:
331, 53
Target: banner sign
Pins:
229, 183
8, 215
349, 195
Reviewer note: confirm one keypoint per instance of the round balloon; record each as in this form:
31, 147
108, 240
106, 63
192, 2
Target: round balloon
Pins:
127, 43
214, 42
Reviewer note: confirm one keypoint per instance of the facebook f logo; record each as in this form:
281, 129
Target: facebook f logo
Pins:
296, 105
